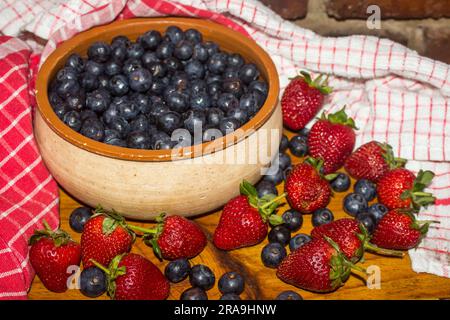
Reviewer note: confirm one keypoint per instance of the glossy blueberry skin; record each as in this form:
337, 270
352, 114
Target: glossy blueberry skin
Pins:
272, 254
231, 282
367, 220
174, 34
228, 125
173, 65
89, 81
241, 115
157, 69
177, 270
233, 86
135, 51
195, 69
156, 110
160, 141
230, 74
377, 210
354, 203
276, 178
77, 101
79, 217
227, 101
194, 120
230, 297
92, 282
67, 88
130, 65
211, 47
149, 58
217, 63
284, 143
98, 100
73, 120
260, 86
121, 125
214, 90
292, 219
298, 145
183, 50
214, 116
165, 50
67, 73
140, 80
150, 39
366, 188
322, 216
112, 68
169, 121
200, 101
280, 234
200, 52
93, 129
197, 86
94, 68
128, 110
193, 35
248, 73
118, 85
266, 187
284, 161
76, 62
119, 41
138, 140
177, 101
235, 61
117, 142
99, 52
140, 123
118, 53
88, 113
341, 183
110, 134
194, 294
289, 295
298, 241
201, 276
142, 101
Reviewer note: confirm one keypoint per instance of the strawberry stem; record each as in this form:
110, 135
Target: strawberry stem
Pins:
101, 267
384, 252
46, 226
142, 229
355, 267
281, 196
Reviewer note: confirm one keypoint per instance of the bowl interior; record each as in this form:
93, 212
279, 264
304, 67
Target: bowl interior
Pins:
228, 39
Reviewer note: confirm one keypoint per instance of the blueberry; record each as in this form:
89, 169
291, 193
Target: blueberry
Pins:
54, 98
181, 137
272, 254
172, 64
157, 69
93, 129
366, 188
67, 88
66, 73
118, 53
228, 125
377, 210
292, 219
194, 120
110, 135
230, 296
183, 50
158, 109
227, 101
289, 295
341, 183
120, 41
194, 294
259, 86
180, 80
217, 63
117, 142
230, 74
214, 90
177, 270
160, 141
94, 68
354, 203
73, 120
193, 35
110, 113
165, 50
103, 82
130, 65
195, 69
177, 101
321, 216
121, 125
174, 34
92, 282
248, 73
159, 85
241, 115
135, 51
149, 58
89, 81
140, 80
213, 116
128, 110
234, 86
235, 61
169, 121
138, 140
150, 39
118, 85
77, 101
88, 113
211, 47
298, 145
201, 276
284, 143
266, 187
197, 86
200, 101
298, 241
249, 102
140, 123
200, 52
76, 62
98, 100
276, 177
280, 234
367, 220
211, 134
99, 52
231, 282
142, 101
284, 161
304, 132
79, 217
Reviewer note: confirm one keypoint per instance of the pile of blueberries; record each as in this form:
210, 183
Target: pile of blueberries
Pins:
155, 92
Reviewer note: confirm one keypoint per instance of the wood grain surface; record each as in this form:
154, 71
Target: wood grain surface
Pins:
398, 281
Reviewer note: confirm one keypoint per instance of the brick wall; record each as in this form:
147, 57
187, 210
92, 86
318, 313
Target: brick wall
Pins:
422, 25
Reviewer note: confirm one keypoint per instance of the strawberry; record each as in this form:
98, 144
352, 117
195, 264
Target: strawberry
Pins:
317, 266
132, 277
306, 189
371, 161
104, 236
399, 230
332, 139
302, 99
400, 188
51, 254
351, 237
244, 219
174, 237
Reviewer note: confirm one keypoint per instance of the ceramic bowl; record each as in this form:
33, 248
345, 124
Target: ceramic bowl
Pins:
143, 183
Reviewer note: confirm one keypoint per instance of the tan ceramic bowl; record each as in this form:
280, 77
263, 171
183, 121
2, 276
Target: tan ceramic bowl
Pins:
143, 183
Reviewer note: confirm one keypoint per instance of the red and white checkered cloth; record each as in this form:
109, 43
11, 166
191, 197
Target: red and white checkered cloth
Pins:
394, 94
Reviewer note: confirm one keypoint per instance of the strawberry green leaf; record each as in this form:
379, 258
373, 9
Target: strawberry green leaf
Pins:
340, 117
275, 220
247, 189
109, 225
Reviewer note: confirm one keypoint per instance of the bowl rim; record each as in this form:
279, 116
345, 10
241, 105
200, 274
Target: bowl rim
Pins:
205, 148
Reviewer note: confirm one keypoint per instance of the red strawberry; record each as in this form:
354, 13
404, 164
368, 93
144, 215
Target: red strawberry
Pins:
306, 189
51, 254
371, 161
174, 237
351, 237
244, 219
302, 99
317, 266
105, 236
332, 139
400, 188
132, 277
399, 230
